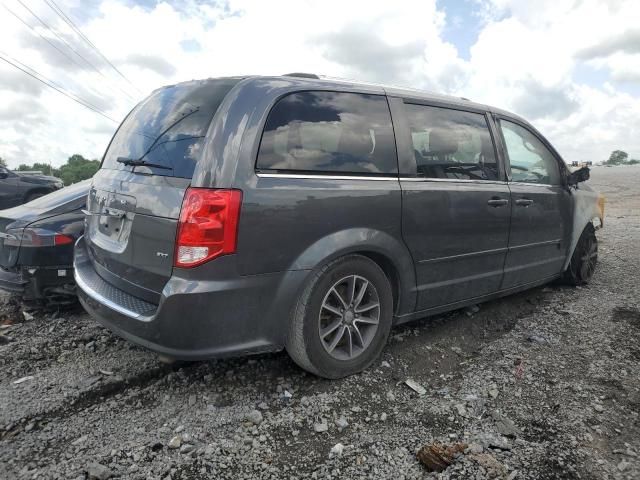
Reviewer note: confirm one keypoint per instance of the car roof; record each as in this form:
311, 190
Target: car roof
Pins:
305, 80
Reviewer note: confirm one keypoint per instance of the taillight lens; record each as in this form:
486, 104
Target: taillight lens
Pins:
36, 237
208, 225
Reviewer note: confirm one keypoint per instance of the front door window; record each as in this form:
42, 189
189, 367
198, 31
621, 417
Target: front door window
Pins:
530, 160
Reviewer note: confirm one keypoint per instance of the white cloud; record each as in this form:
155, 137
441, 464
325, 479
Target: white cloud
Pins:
524, 59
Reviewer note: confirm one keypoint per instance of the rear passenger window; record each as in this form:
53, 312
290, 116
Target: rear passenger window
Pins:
329, 132
451, 144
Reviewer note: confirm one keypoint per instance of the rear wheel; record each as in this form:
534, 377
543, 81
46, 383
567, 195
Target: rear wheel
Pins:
584, 259
342, 319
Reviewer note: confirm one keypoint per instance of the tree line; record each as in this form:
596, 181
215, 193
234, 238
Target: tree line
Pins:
76, 169
619, 157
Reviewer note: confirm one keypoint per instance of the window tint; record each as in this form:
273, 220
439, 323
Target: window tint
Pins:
169, 127
329, 132
530, 160
451, 144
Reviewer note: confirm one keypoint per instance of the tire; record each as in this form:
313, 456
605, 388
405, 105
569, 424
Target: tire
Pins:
317, 312
584, 259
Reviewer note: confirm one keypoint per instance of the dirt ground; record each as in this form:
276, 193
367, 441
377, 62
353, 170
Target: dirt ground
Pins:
544, 384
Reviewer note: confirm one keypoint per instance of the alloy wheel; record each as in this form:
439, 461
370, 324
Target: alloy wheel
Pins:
349, 317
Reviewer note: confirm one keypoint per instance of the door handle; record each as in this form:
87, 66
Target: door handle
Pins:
524, 202
497, 202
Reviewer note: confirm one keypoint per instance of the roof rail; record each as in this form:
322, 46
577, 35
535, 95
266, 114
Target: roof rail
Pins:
301, 75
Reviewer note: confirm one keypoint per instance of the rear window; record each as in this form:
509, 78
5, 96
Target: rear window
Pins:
168, 128
329, 132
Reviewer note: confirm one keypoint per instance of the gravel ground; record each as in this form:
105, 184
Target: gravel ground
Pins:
544, 384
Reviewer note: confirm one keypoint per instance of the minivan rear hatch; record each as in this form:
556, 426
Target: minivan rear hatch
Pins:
135, 200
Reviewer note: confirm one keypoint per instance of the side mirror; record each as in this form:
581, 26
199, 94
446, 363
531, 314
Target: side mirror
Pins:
3, 175
580, 175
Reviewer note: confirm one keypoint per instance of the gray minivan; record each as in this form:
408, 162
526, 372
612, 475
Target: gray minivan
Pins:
244, 215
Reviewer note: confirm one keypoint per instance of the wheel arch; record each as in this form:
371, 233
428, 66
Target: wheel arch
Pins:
390, 254
588, 211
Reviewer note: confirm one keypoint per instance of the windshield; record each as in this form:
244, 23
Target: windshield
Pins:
169, 127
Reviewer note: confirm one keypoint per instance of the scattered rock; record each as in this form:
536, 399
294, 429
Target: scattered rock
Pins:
79, 440
390, 396
187, 448
436, 457
493, 467
336, 450
97, 471
504, 425
598, 408
27, 316
383, 417
254, 416
460, 408
385, 364
415, 386
475, 448
23, 379
175, 442
320, 426
341, 423
537, 339
458, 351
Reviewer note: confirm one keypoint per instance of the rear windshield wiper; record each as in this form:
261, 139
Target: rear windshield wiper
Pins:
140, 163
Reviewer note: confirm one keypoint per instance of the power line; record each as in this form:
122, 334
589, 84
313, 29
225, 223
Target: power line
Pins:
40, 35
52, 4
54, 86
71, 48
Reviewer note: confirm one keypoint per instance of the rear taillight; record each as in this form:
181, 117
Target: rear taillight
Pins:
208, 225
36, 237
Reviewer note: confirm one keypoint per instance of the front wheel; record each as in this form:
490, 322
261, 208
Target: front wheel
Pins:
342, 319
584, 259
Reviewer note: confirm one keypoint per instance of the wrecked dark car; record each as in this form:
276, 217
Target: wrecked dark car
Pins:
244, 215
36, 246
17, 188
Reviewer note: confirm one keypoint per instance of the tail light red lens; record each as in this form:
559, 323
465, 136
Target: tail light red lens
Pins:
61, 239
36, 237
208, 225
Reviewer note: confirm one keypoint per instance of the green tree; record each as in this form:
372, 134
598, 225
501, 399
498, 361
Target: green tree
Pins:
76, 169
617, 157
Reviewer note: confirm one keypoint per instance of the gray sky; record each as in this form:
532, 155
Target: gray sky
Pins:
571, 67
